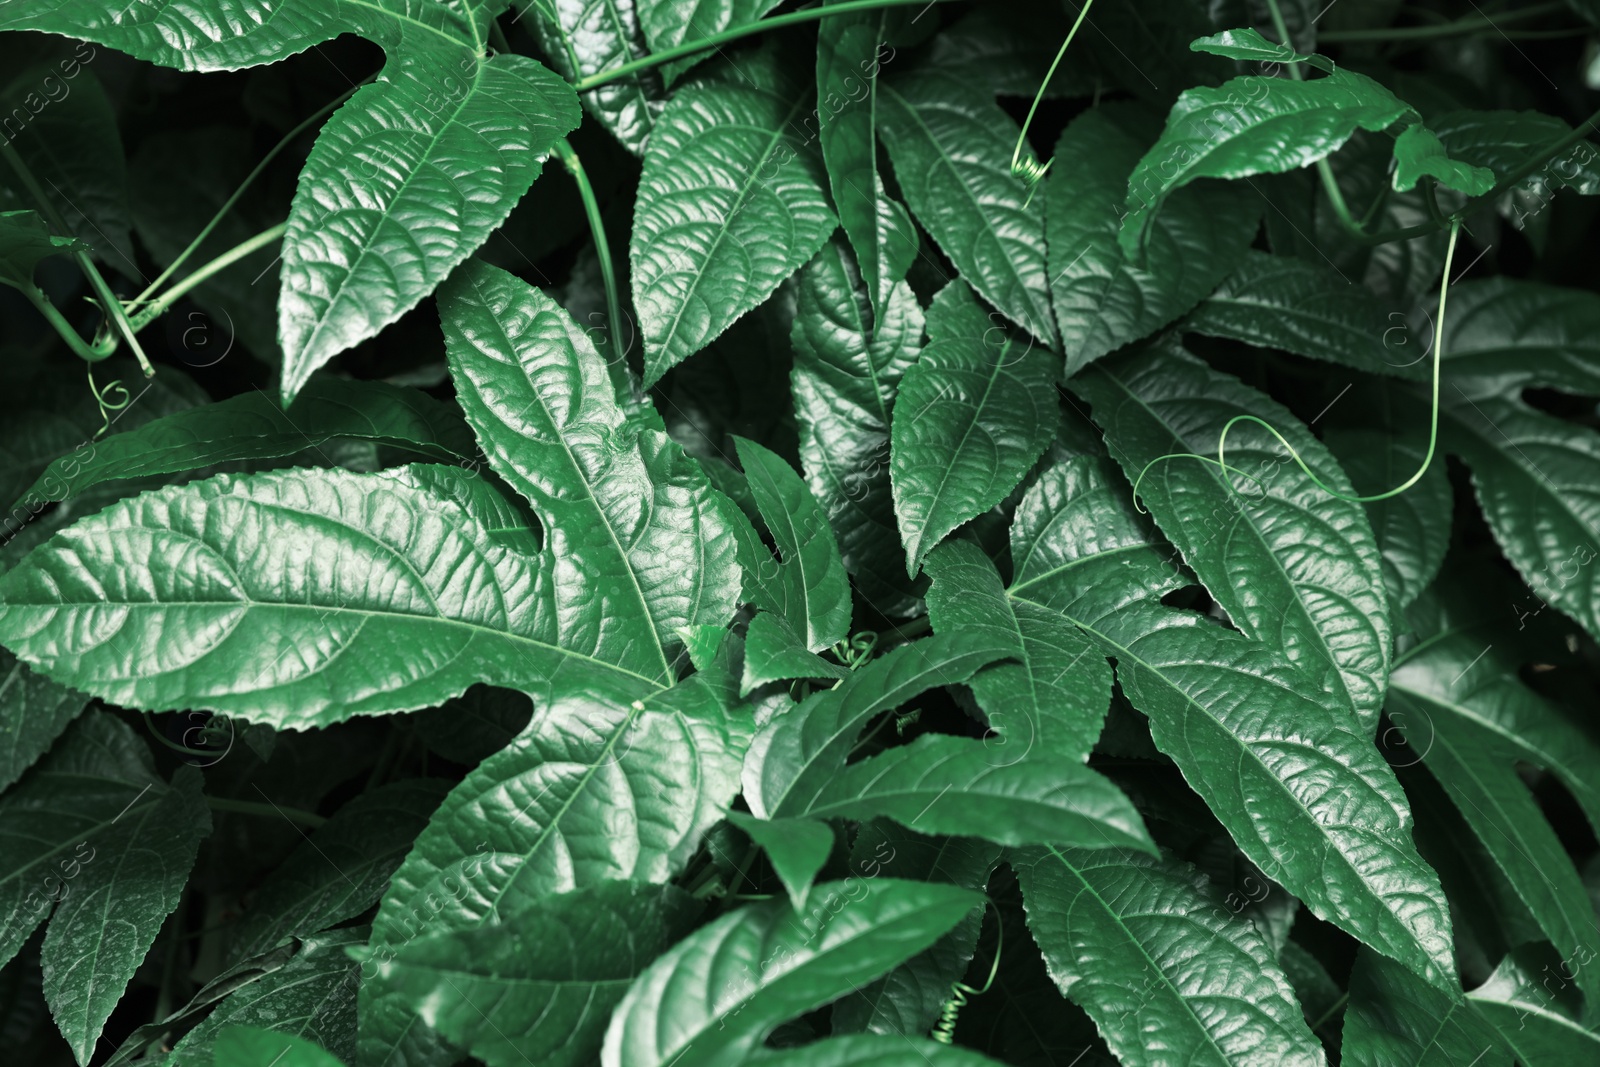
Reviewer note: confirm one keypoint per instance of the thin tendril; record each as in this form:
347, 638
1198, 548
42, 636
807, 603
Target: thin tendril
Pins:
944, 1031
106, 405
1028, 167
1433, 423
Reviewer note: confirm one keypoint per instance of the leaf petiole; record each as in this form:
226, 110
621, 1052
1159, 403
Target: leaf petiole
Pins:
156, 308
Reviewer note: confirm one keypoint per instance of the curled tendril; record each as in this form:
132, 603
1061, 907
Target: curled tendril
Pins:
1025, 165
944, 1031
102, 397
858, 649
1433, 424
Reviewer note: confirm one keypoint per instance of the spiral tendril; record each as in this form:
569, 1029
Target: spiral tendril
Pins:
944, 1031
1025, 165
106, 405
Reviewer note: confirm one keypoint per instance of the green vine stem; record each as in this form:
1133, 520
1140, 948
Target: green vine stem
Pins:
1433, 421
80, 348
597, 230
706, 44
157, 307
111, 307
276, 811
228, 205
1468, 24
1028, 167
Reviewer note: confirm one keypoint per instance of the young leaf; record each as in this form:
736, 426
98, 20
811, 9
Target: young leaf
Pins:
340, 870
593, 791
1305, 307
716, 995
1307, 799
797, 849
1102, 300
588, 37
731, 202
1251, 125
1396, 1019
972, 415
848, 364
1287, 561
305, 598
623, 506
312, 998
1502, 141
940, 784
34, 711
1418, 153
813, 589
93, 827
793, 758
1143, 947
850, 52
249, 1046
1054, 699
774, 653
951, 145
539, 986
1248, 46
252, 426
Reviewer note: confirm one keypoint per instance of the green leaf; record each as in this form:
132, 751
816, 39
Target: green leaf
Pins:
1251, 125
249, 1046
539, 986
1397, 1020
951, 144
1418, 153
584, 38
303, 598
1054, 699
94, 828
670, 23
1412, 529
1502, 141
1515, 333
340, 870
1536, 1026
34, 711
252, 426
796, 848
1308, 308
1534, 479
716, 995
876, 1050
1248, 46
312, 998
1102, 300
1306, 798
848, 363
24, 241
907, 1001
973, 413
623, 506
592, 791
774, 653
940, 784
731, 202
1144, 947
793, 757
71, 145
811, 584
1289, 563
850, 51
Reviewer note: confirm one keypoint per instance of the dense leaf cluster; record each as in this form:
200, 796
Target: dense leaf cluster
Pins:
809, 583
